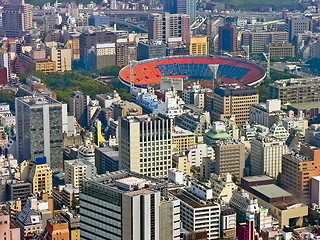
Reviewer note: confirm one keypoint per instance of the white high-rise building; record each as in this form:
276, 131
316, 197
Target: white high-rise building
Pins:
266, 156
122, 205
198, 215
145, 144
5, 62
195, 155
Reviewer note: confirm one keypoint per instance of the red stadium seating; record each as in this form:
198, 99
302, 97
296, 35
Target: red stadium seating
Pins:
147, 73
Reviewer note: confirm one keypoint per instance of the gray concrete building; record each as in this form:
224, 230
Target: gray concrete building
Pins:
151, 49
39, 129
124, 205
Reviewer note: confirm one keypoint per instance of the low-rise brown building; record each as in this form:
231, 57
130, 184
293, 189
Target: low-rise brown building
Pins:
280, 50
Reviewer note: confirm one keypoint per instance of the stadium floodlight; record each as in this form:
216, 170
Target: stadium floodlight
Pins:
132, 64
267, 57
246, 49
214, 68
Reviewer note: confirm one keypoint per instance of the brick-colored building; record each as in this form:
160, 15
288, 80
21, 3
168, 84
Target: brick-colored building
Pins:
57, 228
298, 170
33, 62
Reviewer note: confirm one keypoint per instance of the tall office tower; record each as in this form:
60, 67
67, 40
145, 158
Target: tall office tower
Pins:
234, 100
298, 170
78, 107
16, 18
5, 62
296, 24
182, 7
230, 158
122, 205
145, 144
228, 38
39, 129
266, 156
164, 26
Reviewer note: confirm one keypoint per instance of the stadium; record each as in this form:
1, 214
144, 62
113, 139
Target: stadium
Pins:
230, 70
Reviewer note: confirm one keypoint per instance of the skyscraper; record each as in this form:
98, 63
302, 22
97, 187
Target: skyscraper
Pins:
297, 24
145, 144
16, 18
5, 62
164, 26
182, 7
228, 38
39, 129
230, 158
78, 107
122, 205
266, 156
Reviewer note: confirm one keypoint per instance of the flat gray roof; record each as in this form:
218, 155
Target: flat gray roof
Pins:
258, 178
272, 191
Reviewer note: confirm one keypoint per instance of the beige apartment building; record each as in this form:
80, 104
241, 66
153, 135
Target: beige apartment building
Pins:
299, 90
182, 139
280, 50
230, 158
266, 156
234, 100
39, 174
145, 144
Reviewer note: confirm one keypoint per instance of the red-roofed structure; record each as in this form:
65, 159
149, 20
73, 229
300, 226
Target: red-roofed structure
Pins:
231, 70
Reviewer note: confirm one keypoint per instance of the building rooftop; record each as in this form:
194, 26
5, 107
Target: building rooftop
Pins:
38, 100
126, 104
272, 191
305, 106
124, 181
178, 131
78, 162
110, 152
293, 82
191, 199
258, 178
235, 90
